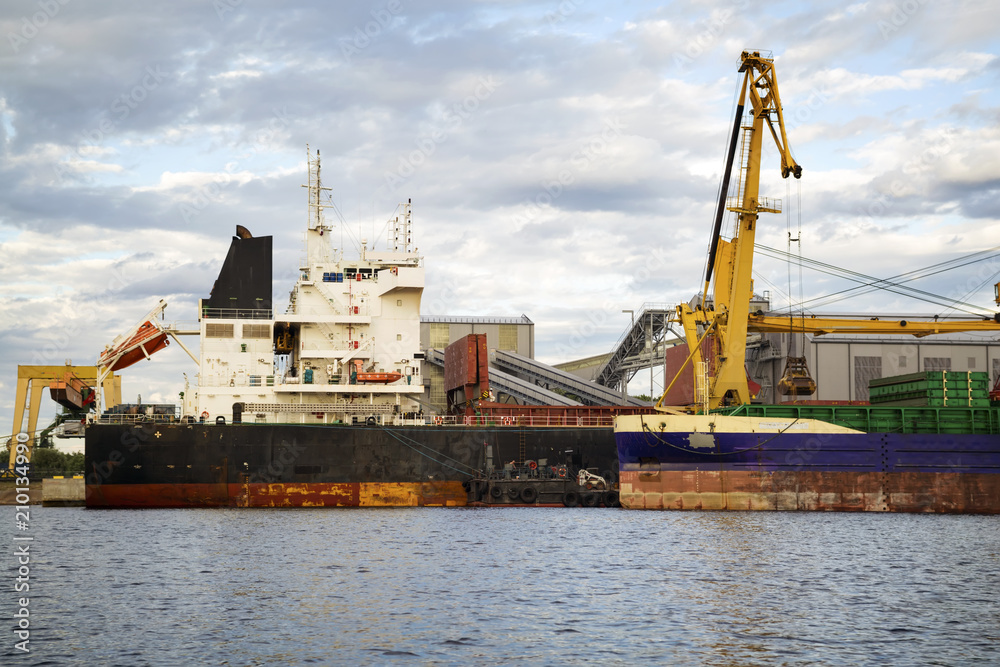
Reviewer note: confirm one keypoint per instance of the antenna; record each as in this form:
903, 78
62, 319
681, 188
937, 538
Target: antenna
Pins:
317, 247
316, 201
400, 237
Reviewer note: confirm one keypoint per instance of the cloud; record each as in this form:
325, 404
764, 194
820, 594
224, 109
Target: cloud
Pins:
551, 150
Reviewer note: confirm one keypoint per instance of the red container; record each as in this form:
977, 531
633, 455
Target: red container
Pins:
466, 362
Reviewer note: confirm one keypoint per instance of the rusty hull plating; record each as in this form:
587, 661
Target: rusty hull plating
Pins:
355, 494
950, 493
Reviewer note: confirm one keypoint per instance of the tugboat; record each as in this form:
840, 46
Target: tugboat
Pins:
537, 484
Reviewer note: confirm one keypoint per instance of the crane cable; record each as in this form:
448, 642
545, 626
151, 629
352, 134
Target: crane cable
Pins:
875, 284
722, 179
989, 279
887, 284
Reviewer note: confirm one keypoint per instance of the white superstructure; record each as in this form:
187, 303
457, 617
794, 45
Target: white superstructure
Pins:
347, 348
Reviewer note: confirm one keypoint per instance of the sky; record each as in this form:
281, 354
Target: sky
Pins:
563, 158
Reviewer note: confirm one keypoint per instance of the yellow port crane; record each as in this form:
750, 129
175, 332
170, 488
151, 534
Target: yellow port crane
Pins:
81, 388
722, 324
61, 382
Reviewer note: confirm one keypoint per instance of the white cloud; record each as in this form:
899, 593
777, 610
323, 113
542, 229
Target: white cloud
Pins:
196, 179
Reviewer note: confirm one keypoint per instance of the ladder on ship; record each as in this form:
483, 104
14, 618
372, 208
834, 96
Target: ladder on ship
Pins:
520, 437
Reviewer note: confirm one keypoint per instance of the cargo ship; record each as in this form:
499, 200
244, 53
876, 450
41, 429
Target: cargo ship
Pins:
321, 405
927, 443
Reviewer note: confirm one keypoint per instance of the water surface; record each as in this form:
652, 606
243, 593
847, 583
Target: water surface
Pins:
506, 586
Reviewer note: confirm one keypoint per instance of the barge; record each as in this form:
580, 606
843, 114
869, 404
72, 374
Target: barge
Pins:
919, 448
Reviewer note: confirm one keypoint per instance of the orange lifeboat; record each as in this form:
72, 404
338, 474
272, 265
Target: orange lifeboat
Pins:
147, 340
379, 378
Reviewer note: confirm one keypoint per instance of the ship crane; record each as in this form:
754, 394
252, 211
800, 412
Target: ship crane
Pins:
720, 327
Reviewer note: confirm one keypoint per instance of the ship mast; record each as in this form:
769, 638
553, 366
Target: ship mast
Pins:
317, 247
399, 234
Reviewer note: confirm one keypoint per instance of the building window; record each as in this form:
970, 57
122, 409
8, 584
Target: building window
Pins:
866, 369
399, 302
437, 395
972, 363
257, 331
508, 337
902, 361
937, 363
218, 330
440, 334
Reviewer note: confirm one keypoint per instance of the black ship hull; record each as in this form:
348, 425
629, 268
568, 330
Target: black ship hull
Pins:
156, 464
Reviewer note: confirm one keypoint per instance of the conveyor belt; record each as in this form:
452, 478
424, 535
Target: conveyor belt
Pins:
589, 392
524, 390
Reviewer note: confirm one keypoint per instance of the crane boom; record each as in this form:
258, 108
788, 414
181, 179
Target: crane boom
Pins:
819, 326
732, 259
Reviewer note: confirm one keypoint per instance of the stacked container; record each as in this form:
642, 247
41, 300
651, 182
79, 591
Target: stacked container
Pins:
932, 389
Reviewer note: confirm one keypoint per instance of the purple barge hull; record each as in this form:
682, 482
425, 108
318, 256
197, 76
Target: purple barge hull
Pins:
716, 462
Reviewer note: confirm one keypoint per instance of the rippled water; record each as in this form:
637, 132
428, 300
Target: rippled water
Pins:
506, 586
